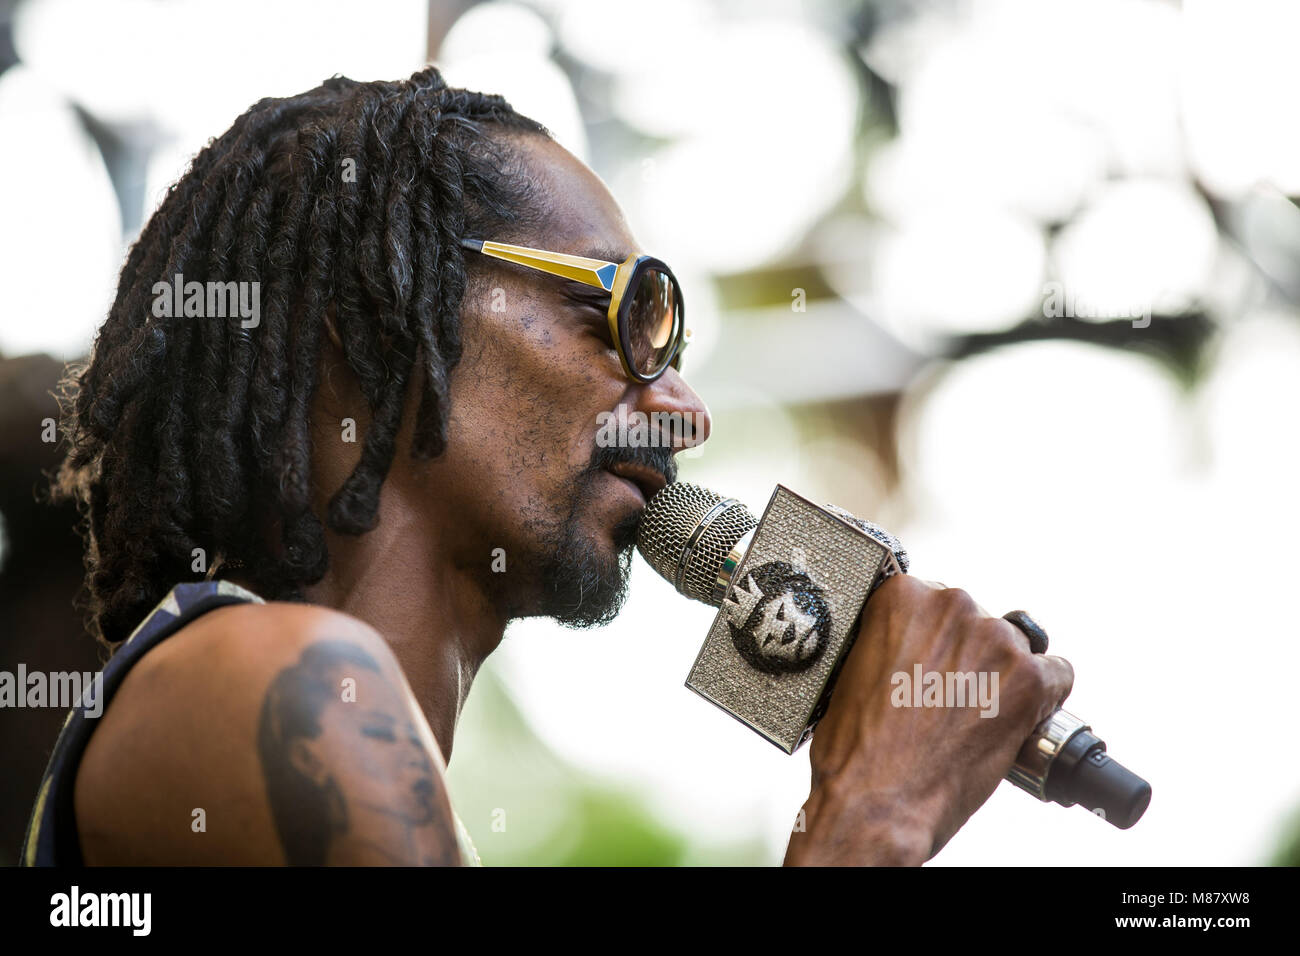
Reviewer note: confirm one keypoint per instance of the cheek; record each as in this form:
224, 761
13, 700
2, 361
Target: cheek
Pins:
532, 390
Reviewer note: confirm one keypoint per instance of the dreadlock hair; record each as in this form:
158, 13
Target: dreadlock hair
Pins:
188, 433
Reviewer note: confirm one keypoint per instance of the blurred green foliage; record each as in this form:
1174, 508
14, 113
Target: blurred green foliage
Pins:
526, 806
1288, 853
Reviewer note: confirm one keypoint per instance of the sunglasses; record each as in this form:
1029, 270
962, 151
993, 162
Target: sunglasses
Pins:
646, 315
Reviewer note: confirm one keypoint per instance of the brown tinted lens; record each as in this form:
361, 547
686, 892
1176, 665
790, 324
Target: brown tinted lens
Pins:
652, 322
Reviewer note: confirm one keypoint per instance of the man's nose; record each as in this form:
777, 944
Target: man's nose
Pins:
684, 414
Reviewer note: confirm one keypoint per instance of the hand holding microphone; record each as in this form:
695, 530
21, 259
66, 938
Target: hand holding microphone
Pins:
896, 771
903, 780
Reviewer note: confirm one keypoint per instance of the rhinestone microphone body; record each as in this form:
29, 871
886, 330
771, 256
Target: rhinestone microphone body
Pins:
789, 590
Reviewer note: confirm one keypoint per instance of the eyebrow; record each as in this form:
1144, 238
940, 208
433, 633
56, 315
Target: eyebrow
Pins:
605, 253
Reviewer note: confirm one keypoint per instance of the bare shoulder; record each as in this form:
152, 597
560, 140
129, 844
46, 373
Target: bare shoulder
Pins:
265, 734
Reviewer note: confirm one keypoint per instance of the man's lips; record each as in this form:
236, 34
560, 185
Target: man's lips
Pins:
647, 479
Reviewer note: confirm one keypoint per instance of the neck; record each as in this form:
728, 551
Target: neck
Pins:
436, 615
417, 577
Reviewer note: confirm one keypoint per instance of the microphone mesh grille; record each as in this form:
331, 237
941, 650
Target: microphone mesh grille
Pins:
669, 520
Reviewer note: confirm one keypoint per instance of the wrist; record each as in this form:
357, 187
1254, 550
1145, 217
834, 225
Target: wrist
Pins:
854, 826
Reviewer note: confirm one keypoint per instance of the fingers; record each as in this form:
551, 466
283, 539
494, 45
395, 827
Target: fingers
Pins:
996, 641
1035, 638
1058, 678
1017, 636
964, 596
1041, 682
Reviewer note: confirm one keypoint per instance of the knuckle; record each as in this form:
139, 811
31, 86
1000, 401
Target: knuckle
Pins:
958, 601
1034, 681
1063, 674
1006, 637
1026, 680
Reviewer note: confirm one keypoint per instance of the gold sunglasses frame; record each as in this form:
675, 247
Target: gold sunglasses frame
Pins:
613, 277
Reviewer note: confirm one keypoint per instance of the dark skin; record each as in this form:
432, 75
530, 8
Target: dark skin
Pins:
418, 594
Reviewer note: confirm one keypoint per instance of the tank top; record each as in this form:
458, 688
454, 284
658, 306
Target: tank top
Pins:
52, 838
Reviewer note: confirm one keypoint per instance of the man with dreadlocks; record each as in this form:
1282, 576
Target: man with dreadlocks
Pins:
295, 617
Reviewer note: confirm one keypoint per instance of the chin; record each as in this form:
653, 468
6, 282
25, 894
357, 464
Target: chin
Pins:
584, 576
586, 580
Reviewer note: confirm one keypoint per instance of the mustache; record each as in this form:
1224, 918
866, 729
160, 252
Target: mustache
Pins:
660, 459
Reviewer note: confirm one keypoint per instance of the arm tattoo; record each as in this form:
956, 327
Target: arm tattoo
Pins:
347, 775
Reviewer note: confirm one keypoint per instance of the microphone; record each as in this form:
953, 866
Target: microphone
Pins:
790, 589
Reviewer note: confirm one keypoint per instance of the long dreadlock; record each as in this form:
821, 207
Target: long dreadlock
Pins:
189, 433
